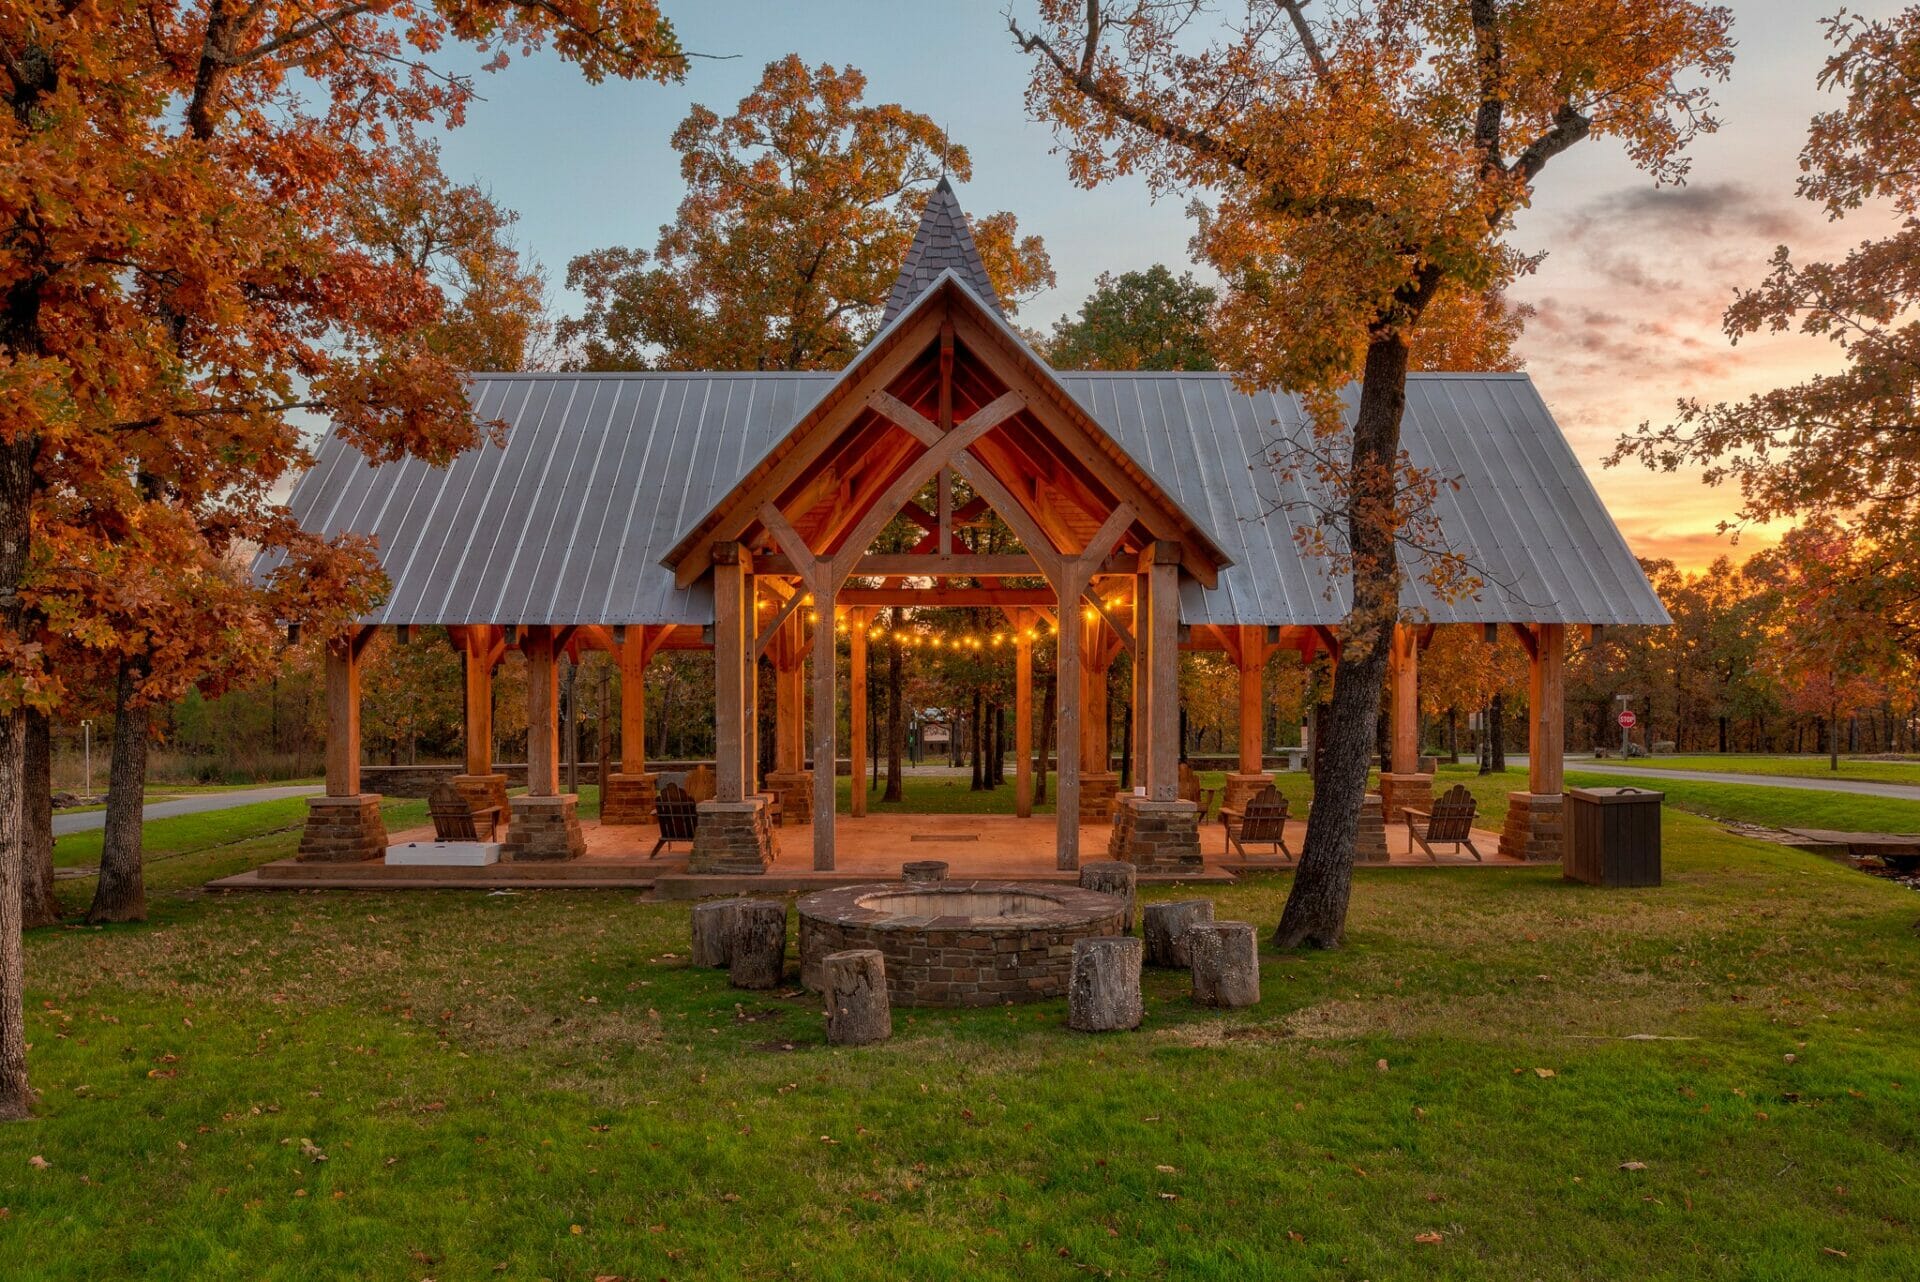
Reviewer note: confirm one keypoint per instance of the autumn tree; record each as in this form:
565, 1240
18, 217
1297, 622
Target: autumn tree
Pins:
1362, 163
799, 209
1844, 444
1137, 320
184, 270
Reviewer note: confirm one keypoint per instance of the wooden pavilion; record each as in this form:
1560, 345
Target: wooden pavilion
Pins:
738, 512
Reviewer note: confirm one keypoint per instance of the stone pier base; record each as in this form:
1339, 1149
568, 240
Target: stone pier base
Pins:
627, 799
1399, 792
481, 791
343, 830
1156, 836
1098, 791
544, 830
1370, 834
794, 788
734, 837
1243, 788
1535, 824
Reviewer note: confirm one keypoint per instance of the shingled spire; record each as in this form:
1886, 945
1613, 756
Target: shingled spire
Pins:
943, 242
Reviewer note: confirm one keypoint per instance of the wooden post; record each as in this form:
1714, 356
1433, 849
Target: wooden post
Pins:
1253, 649
1067, 724
479, 682
543, 720
857, 710
1546, 730
825, 718
1094, 754
1403, 677
1162, 644
1023, 715
732, 651
343, 717
750, 781
633, 702
790, 703
1142, 688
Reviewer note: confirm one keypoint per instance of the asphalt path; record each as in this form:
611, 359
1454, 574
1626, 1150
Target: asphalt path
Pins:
199, 803
1863, 787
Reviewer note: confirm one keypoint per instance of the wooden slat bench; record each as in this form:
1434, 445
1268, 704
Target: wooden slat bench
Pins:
455, 819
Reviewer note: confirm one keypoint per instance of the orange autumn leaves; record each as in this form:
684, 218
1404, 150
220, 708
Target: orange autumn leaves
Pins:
215, 243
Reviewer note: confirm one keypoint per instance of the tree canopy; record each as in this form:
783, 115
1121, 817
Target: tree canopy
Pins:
799, 209
1137, 320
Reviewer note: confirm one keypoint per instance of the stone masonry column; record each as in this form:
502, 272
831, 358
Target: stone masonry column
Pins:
344, 826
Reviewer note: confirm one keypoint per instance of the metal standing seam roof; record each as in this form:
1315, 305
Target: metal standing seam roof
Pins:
602, 474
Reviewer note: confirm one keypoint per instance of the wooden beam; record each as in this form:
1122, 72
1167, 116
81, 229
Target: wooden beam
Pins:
772, 478
857, 711
543, 714
1022, 715
343, 716
634, 653
799, 555
787, 607
941, 450
1120, 630
1038, 544
731, 615
948, 565
991, 597
1546, 706
478, 676
1403, 684
1528, 641
1251, 660
1067, 736
825, 724
1162, 633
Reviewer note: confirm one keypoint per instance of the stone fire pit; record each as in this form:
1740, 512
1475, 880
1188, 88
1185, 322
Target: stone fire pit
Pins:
959, 943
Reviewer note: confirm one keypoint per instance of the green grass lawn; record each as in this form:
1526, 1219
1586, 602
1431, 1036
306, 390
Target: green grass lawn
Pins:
1791, 765
537, 1085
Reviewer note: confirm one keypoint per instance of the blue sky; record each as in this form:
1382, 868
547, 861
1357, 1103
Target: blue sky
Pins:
1629, 296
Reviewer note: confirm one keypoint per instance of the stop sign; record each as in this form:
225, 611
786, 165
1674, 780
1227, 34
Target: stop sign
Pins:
1628, 720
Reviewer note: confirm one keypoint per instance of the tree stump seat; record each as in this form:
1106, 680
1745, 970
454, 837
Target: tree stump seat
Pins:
1103, 989
1164, 928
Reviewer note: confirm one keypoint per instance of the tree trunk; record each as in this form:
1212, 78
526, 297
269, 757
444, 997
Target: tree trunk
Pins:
896, 718
1833, 738
1316, 910
976, 729
119, 893
1497, 734
38, 906
20, 320
1453, 736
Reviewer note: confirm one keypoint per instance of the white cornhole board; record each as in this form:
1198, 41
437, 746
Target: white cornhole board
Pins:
445, 854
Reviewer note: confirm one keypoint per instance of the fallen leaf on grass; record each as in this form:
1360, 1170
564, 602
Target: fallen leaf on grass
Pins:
1834, 1251
1429, 1238
1633, 1166
1544, 1072
1165, 1170
38, 1163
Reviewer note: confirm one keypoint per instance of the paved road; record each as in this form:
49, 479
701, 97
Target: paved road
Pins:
1863, 787
198, 804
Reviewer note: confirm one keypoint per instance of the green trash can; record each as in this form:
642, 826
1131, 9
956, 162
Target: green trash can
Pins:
1613, 836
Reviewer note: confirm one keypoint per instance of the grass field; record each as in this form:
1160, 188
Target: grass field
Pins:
1795, 765
457, 1085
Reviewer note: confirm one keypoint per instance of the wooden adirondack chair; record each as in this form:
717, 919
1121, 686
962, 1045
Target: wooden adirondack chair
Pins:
678, 815
454, 819
1264, 820
1450, 820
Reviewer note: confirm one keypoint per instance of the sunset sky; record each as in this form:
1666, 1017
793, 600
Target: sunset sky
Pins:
1629, 297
